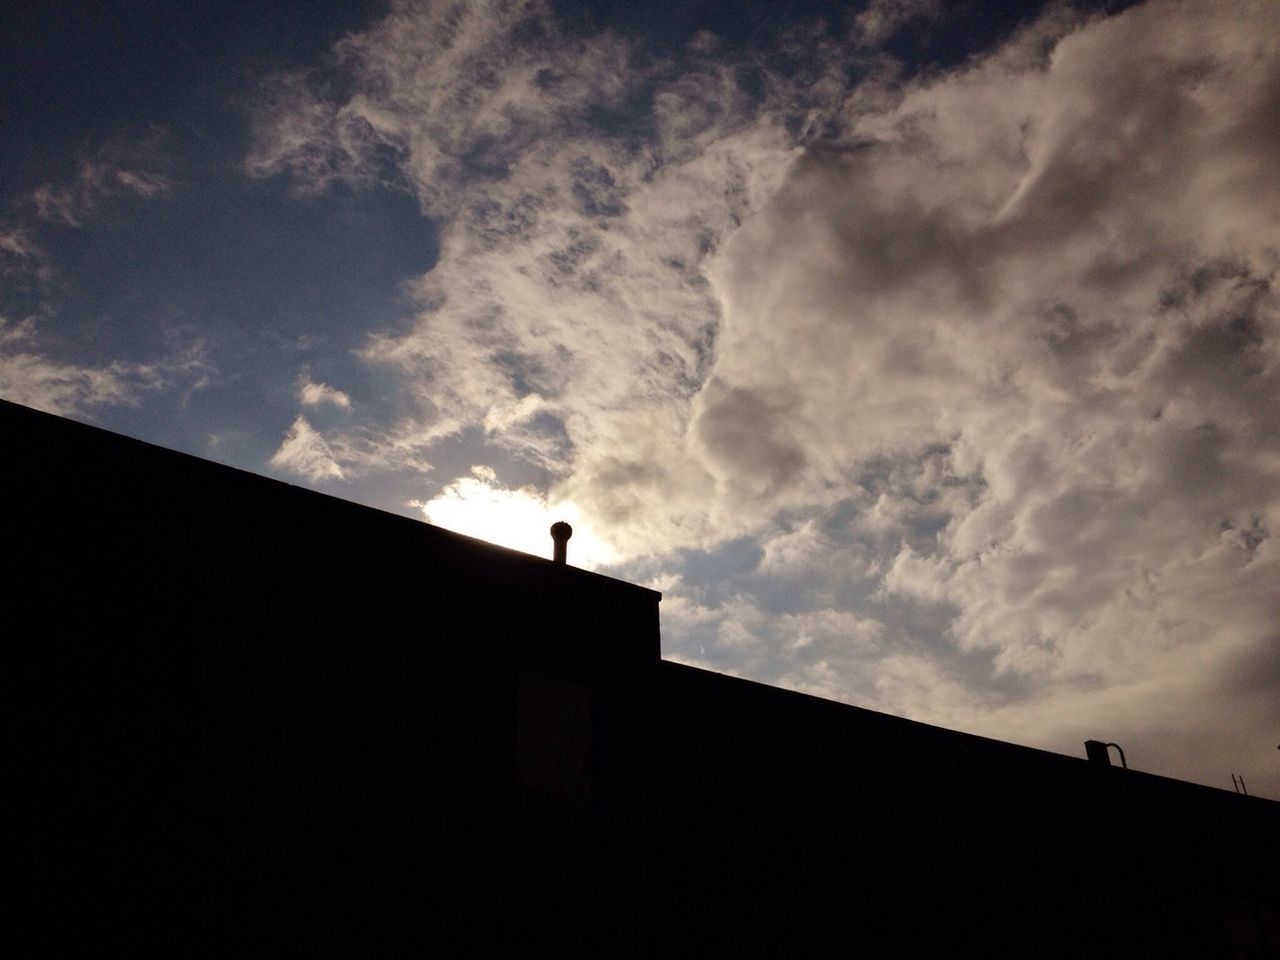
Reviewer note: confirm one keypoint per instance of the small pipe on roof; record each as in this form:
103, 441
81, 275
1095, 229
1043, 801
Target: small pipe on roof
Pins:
560, 533
1123, 762
1097, 752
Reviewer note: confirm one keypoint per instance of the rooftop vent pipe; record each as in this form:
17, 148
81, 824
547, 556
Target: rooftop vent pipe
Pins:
560, 533
1098, 752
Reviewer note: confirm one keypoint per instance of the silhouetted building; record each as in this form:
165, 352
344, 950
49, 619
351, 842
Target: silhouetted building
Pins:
242, 717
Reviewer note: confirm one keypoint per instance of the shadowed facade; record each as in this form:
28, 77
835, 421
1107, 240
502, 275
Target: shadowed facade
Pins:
243, 717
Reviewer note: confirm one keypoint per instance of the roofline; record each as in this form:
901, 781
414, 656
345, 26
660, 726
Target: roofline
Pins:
418, 526
934, 729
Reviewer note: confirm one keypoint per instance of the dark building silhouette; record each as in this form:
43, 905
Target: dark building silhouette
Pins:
244, 718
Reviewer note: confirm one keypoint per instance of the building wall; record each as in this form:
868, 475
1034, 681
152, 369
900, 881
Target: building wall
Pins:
241, 713
242, 717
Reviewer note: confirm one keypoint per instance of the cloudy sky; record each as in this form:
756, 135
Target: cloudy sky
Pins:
925, 355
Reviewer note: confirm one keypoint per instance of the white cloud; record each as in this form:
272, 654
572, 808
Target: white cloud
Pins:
569, 313
480, 506
881, 19
1060, 273
31, 376
1015, 325
38, 371
306, 453
296, 132
319, 394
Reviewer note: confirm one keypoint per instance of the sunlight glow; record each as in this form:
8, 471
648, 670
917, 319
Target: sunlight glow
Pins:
479, 506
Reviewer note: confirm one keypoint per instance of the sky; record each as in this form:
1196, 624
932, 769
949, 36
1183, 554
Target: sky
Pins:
925, 355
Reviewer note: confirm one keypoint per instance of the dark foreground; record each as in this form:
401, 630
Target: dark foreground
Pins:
242, 718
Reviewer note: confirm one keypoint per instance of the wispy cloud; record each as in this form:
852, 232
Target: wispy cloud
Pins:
32, 376
312, 394
40, 369
306, 453
23, 262
119, 168
569, 313
880, 20
17, 243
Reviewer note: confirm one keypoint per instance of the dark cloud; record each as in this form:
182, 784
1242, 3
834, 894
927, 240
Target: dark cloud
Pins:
746, 437
1022, 262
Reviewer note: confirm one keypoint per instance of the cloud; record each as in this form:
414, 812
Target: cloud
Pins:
32, 379
306, 453
480, 506
121, 167
32, 376
24, 264
318, 394
39, 370
881, 19
992, 353
569, 313
1058, 270
321, 144
16, 243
